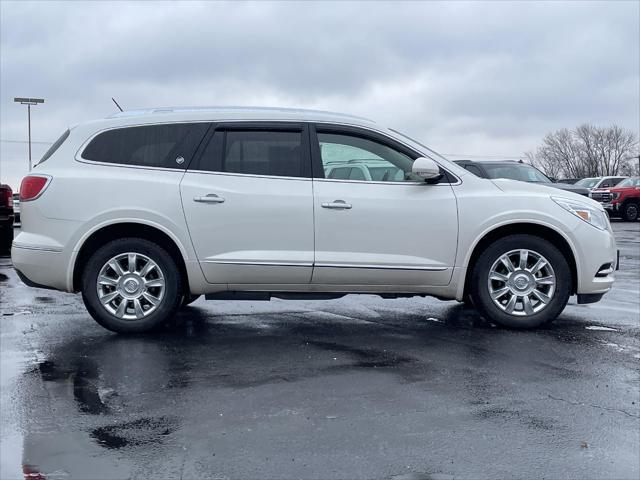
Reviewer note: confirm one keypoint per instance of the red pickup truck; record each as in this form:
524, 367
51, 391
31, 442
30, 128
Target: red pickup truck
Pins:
6, 217
623, 200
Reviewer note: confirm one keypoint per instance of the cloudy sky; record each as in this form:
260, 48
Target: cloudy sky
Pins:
481, 78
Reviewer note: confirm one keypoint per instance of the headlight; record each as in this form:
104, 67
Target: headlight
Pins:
615, 195
589, 214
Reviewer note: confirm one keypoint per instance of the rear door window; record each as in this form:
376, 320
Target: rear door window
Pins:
280, 153
166, 146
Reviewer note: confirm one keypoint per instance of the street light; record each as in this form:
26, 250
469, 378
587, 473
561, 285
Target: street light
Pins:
28, 102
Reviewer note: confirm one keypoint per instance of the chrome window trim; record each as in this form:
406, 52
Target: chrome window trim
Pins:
78, 156
377, 182
234, 174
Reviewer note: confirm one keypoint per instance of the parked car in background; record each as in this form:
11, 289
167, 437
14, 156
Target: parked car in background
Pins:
364, 169
6, 217
570, 181
16, 207
593, 183
235, 203
623, 200
516, 170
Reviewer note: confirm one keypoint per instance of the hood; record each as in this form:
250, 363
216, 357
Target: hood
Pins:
621, 189
569, 188
550, 189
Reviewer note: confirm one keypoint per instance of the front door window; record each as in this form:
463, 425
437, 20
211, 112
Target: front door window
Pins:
348, 157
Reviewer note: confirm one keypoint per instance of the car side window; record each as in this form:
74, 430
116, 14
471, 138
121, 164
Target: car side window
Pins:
348, 157
166, 145
254, 152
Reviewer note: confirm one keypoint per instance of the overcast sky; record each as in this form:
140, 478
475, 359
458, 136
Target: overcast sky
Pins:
465, 78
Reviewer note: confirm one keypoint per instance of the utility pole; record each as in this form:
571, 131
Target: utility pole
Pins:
28, 102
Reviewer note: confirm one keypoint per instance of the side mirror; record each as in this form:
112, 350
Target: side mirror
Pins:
426, 168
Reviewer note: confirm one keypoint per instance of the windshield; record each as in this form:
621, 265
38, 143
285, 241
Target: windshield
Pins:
629, 182
516, 171
588, 182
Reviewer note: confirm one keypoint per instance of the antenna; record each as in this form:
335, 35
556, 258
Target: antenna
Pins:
114, 101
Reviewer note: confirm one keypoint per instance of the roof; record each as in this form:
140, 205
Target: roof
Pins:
238, 113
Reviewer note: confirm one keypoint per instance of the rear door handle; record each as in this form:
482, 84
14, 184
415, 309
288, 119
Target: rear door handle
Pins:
209, 198
337, 205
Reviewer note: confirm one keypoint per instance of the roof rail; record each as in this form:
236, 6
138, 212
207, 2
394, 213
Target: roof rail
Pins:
161, 110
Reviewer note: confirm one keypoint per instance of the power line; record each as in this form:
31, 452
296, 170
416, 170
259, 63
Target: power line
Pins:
25, 141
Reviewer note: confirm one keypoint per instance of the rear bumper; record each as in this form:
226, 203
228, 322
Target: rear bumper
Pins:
39, 267
28, 282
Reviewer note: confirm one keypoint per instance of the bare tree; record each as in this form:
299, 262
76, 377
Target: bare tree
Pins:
587, 151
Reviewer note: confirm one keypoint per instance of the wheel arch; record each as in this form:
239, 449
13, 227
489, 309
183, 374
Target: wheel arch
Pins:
526, 228
114, 231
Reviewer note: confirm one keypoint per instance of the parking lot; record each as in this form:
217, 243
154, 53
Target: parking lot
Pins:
359, 387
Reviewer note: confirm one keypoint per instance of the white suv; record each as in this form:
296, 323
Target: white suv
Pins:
144, 211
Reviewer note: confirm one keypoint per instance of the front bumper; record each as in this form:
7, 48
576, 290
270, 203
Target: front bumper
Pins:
596, 258
612, 208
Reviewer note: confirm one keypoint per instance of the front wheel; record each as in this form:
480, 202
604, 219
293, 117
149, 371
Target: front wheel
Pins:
521, 281
131, 285
630, 212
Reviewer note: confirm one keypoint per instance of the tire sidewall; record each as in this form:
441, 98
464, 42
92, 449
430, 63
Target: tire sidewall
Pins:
480, 290
168, 305
626, 215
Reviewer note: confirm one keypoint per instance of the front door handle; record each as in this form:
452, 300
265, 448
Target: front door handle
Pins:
209, 198
337, 205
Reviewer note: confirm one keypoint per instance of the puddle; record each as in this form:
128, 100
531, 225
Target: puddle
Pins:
138, 432
44, 299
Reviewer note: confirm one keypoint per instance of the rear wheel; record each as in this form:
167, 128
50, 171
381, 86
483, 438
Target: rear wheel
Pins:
521, 281
630, 212
131, 285
6, 238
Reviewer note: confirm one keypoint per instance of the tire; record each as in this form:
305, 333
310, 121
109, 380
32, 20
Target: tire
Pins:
630, 211
551, 282
6, 238
189, 299
157, 289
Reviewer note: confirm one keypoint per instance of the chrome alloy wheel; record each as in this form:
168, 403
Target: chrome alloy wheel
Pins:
521, 282
130, 286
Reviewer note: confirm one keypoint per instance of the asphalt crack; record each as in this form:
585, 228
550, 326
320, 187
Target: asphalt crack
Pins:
581, 404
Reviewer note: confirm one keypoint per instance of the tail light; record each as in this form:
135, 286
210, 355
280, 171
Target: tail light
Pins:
33, 186
9, 197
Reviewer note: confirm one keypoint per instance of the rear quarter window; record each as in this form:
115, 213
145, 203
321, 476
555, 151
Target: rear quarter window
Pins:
165, 146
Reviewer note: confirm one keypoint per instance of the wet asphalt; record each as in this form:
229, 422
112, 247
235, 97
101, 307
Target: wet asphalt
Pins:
361, 387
